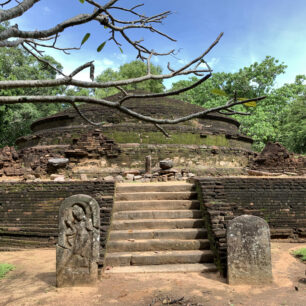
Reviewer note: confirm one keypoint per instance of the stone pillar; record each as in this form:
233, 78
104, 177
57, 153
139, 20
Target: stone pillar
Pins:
148, 165
248, 251
77, 250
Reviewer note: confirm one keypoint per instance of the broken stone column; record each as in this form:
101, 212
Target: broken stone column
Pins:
148, 165
248, 251
77, 250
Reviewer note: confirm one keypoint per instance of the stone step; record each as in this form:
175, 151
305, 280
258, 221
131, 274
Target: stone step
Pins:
137, 196
156, 224
155, 187
188, 233
156, 204
198, 267
132, 245
158, 258
156, 214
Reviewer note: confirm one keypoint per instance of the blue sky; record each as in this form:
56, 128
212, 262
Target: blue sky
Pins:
252, 30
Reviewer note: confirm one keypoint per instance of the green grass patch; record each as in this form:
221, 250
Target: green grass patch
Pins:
300, 253
5, 268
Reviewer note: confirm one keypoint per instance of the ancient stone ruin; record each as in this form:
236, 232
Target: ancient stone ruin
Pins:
65, 147
276, 159
248, 251
178, 224
77, 250
120, 146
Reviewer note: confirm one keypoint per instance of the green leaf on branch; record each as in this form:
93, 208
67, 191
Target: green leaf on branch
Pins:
99, 49
85, 38
121, 50
250, 104
219, 92
82, 1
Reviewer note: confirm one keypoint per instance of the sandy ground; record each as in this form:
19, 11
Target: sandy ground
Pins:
33, 283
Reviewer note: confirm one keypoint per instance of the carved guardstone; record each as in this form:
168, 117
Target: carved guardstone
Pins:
248, 251
77, 250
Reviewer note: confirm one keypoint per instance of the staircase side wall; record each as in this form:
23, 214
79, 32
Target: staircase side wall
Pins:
280, 201
29, 210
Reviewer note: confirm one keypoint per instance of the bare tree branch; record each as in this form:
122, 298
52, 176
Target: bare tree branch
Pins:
77, 20
43, 60
84, 117
16, 11
35, 43
79, 69
163, 130
117, 105
5, 3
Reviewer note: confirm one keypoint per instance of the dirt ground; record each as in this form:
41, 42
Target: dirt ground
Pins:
33, 283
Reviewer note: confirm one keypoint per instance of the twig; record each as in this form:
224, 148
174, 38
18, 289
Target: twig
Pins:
162, 130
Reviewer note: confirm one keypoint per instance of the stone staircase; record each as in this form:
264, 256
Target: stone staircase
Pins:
157, 227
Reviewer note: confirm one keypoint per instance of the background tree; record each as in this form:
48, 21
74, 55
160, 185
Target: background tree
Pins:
292, 119
130, 70
15, 120
105, 14
267, 120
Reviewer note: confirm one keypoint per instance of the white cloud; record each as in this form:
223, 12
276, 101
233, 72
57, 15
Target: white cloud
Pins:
155, 59
107, 62
182, 62
47, 10
213, 62
121, 57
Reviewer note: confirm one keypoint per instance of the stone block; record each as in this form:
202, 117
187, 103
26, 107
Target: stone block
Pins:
166, 164
248, 251
58, 162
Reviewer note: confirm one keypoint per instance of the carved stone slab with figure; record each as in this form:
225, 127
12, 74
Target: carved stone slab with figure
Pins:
77, 250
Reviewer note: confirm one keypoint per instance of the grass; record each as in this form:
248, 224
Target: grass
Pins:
300, 253
5, 268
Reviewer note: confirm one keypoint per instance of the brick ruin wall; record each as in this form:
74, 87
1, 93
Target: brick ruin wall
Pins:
97, 155
280, 201
32, 162
29, 211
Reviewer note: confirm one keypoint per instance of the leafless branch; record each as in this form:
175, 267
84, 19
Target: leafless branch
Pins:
93, 84
163, 130
16, 11
5, 3
43, 60
84, 117
165, 94
14, 32
116, 105
35, 42
81, 68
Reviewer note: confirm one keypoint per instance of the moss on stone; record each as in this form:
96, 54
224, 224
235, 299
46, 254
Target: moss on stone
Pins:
159, 138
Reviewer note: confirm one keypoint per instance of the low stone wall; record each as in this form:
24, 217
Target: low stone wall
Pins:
280, 201
199, 160
29, 211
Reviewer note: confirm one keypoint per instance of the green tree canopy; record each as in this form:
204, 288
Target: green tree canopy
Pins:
133, 69
15, 119
266, 122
